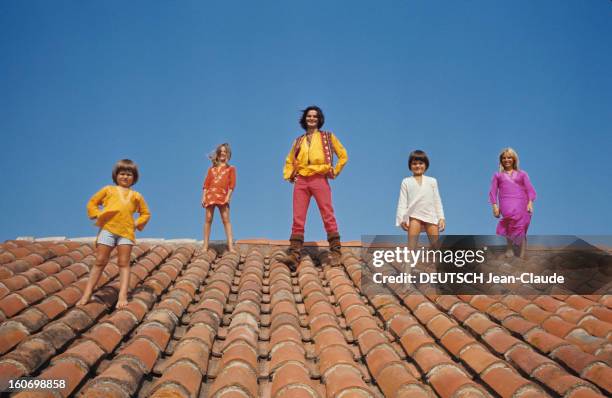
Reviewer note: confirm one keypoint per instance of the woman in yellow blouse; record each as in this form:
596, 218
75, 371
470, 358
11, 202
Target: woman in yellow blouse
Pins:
116, 221
308, 166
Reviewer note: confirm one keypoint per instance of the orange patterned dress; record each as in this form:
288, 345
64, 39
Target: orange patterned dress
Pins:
219, 180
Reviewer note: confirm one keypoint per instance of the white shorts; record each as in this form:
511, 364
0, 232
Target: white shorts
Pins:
107, 238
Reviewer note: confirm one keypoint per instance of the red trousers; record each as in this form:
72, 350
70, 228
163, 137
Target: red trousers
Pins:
304, 188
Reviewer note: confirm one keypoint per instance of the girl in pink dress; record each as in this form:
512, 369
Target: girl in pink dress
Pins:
217, 191
512, 196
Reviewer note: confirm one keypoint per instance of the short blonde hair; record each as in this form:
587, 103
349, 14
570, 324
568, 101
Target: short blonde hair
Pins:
214, 157
511, 152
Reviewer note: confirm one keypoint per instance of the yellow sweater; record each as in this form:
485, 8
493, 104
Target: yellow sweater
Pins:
118, 208
311, 158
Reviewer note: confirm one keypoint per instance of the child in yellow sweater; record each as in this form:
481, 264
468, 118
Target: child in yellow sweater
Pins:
116, 222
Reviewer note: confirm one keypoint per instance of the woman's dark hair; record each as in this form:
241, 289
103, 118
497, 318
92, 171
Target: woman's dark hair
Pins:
320, 115
418, 155
125, 165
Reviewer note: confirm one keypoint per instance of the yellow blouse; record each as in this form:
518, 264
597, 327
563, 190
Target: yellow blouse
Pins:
311, 158
118, 208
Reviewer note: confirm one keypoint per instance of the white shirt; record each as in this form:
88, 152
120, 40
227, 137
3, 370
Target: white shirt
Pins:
419, 201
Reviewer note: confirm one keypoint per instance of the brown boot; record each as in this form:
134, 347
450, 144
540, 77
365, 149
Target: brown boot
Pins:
335, 253
292, 257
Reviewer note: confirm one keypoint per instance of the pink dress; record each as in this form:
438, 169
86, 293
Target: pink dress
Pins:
514, 192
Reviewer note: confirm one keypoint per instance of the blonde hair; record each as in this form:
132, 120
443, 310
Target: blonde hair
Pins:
511, 152
214, 156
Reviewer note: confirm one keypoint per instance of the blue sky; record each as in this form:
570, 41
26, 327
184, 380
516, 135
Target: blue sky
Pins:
84, 84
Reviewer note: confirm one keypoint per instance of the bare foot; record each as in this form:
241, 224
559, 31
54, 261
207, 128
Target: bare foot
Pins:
121, 303
509, 253
82, 301
204, 249
232, 250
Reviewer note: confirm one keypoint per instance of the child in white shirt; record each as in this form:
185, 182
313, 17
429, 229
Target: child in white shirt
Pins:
419, 206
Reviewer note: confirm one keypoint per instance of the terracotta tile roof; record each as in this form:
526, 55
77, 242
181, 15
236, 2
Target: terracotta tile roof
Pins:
242, 325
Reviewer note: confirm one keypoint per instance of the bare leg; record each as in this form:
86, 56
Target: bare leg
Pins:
123, 261
432, 233
102, 254
225, 217
509, 248
523, 247
414, 230
208, 219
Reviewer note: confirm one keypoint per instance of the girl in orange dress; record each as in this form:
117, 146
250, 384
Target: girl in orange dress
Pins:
217, 192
